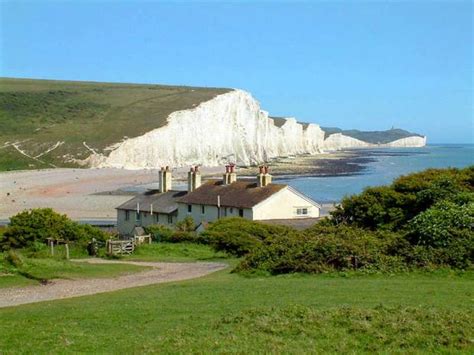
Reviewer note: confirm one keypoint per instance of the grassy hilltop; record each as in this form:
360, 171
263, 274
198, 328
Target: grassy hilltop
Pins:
40, 113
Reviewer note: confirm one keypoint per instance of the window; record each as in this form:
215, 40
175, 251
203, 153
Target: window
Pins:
138, 216
170, 219
190, 208
302, 211
127, 215
203, 209
231, 210
241, 212
157, 219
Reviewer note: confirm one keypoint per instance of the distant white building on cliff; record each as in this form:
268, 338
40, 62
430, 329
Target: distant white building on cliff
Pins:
254, 199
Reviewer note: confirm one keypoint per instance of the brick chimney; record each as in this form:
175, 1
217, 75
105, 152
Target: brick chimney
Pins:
164, 179
232, 174
161, 179
226, 176
267, 178
194, 178
263, 177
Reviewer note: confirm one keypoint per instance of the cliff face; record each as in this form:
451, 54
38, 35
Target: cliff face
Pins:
339, 141
230, 127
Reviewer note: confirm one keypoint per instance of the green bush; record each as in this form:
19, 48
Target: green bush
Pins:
324, 249
28, 228
238, 236
392, 207
162, 233
436, 226
183, 237
186, 225
159, 232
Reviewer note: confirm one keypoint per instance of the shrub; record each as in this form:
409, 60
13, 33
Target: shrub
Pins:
163, 233
186, 225
435, 227
183, 237
238, 236
159, 232
37, 225
392, 207
322, 249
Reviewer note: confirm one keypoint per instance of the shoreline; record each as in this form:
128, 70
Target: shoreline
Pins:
93, 194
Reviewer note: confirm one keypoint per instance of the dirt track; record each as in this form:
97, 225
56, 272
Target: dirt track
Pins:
60, 289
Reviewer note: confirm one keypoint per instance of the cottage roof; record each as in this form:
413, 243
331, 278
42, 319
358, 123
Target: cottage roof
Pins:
239, 194
165, 202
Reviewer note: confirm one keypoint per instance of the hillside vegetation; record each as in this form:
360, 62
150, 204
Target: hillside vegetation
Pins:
374, 137
421, 221
49, 121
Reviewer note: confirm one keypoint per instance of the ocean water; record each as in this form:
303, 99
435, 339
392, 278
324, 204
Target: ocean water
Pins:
389, 164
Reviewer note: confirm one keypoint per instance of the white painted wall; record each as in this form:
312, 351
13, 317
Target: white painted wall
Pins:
283, 205
210, 213
125, 227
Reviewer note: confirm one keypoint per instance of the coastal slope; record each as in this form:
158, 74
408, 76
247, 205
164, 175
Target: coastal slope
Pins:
133, 126
230, 127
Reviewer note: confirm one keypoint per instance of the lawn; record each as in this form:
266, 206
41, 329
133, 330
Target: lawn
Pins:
32, 270
226, 312
175, 252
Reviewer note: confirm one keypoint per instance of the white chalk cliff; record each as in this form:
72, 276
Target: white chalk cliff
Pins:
230, 127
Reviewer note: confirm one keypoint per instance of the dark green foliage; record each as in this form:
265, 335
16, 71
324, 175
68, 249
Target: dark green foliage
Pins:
324, 249
159, 232
437, 226
391, 207
162, 233
183, 237
238, 236
423, 220
186, 225
28, 228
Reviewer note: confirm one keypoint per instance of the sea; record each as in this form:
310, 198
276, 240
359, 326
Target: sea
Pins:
387, 164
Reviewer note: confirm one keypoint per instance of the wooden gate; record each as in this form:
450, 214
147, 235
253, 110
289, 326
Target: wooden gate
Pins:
120, 247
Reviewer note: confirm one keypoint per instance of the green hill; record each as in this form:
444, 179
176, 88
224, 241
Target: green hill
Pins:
375, 137
39, 114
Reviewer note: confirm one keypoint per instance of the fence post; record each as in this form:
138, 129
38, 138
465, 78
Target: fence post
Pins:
67, 251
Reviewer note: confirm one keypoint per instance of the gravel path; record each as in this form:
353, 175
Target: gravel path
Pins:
59, 289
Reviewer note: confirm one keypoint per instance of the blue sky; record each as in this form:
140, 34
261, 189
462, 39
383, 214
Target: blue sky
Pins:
352, 64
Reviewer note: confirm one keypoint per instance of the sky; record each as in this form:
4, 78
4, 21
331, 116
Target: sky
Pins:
351, 64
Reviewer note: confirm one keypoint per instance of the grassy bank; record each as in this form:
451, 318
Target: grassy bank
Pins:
32, 271
175, 252
229, 313
41, 113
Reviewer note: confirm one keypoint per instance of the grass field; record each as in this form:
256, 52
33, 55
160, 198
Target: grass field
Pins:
175, 252
226, 312
33, 270
41, 113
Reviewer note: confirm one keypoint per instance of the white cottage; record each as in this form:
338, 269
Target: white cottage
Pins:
254, 199
258, 199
